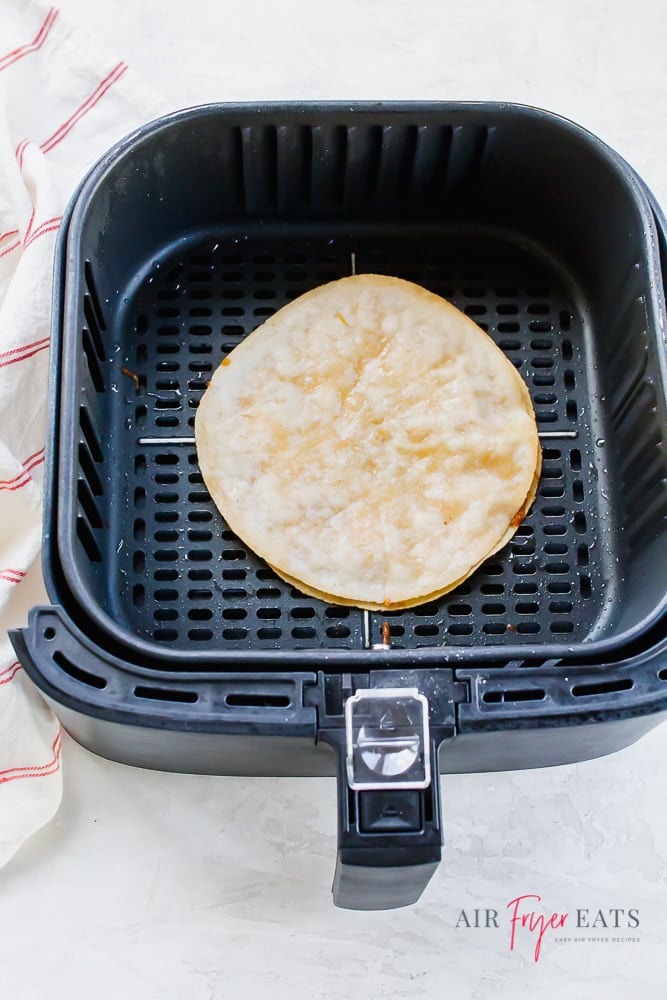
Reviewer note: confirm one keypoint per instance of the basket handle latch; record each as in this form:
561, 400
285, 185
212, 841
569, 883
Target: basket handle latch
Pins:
389, 836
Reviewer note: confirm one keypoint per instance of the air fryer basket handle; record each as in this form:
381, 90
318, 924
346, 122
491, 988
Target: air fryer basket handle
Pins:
364, 887
389, 843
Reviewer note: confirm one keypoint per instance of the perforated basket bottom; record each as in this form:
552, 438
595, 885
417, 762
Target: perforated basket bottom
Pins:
178, 576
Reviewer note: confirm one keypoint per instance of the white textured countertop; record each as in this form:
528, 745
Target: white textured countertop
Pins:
152, 886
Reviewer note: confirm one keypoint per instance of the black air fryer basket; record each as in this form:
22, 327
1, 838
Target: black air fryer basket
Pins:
170, 645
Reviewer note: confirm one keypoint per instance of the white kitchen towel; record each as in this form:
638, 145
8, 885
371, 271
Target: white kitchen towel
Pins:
63, 102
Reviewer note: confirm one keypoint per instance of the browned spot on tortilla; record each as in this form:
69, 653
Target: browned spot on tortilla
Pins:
450, 510
528, 502
226, 361
521, 513
500, 464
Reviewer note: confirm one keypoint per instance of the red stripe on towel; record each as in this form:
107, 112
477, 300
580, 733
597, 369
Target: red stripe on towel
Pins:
34, 45
84, 108
80, 112
21, 353
9, 672
37, 771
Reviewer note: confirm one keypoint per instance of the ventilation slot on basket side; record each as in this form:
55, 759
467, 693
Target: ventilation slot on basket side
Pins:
88, 470
361, 166
329, 152
93, 363
94, 298
603, 687
508, 697
364, 143
88, 505
90, 434
166, 694
89, 484
87, 540
78, 673
627, 364
468, 150
644, 487
396, 166
260, 161
91, 332
263, 700
294, 153
93, 328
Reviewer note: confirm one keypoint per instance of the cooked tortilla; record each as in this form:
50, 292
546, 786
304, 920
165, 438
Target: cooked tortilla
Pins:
370, 442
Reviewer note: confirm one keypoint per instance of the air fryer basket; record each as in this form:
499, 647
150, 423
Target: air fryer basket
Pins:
181, 241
